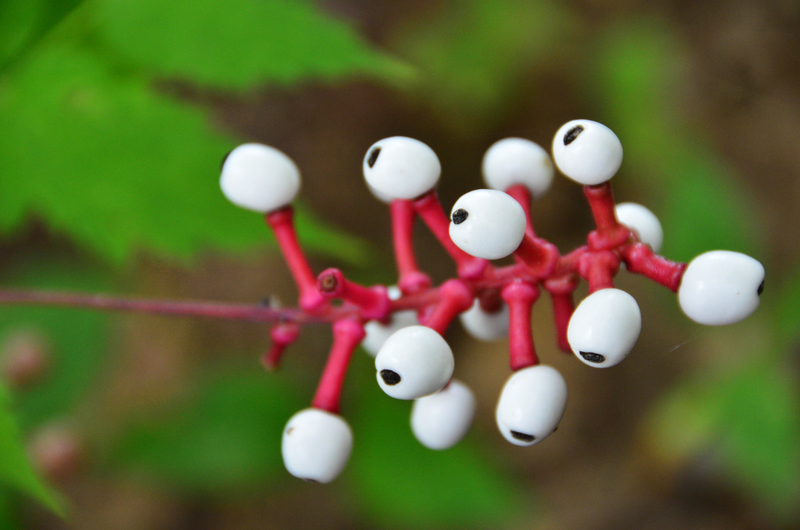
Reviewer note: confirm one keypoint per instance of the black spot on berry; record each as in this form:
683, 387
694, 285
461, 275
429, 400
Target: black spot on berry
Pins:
373, 156
460, 215
761, 288
311, 480
572, 134
289, 431
390, 377
224, 158
522, 436
592, 357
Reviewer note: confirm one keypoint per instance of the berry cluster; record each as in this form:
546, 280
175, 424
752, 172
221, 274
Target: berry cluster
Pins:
403, 325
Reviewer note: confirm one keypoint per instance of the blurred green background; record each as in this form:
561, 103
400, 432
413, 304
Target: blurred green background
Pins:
114, 117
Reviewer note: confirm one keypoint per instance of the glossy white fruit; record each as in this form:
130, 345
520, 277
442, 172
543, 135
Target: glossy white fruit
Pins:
441, 420
316, 445
514, 161
414, 362
377, 333
259, 178
531, 404
604, 328
487, 224
587, 152
642, 221
721, 287
483, 325
401, 168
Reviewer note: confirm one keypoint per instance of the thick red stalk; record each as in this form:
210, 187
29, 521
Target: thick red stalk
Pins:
373, 301
610, 233
641, 259
410, 279
561, 291
282, 336
281, 222
430, 209
598, 268
347, 334
563, 307
520, 297
522, 195
539, 256
455, 297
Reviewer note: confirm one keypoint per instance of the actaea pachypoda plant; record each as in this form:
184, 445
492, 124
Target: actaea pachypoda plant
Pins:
403, 325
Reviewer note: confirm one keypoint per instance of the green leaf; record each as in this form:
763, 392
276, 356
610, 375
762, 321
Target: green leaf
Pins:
239, 44
77, 338
398, 483
636, 70
23, 22
15, 468
474, 55
223, 438
98, 155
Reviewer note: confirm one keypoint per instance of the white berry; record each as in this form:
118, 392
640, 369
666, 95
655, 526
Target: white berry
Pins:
514, 161
377, 333
604, 327
587, 152
316, 445
487, 224
401, 168
441, 420
483, 325
721, 287
642, 221
414, 362
260, 178
531, 404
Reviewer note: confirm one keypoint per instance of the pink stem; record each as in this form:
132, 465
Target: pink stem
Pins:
520, 297
410, 280
455, 297
373, 301
610, 233
347, 334
539, 256
281, 222
598, 268
253, 313
430, 209
522, 195
640, 259
282, 336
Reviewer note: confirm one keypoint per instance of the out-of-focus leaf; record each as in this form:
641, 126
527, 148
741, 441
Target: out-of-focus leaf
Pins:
223, 438
475, 54
8, 518
400, 483
101, 157
77, 338
15, 468
750, 418
786, 319
636, 69
239, 44
22, 22
762, 436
